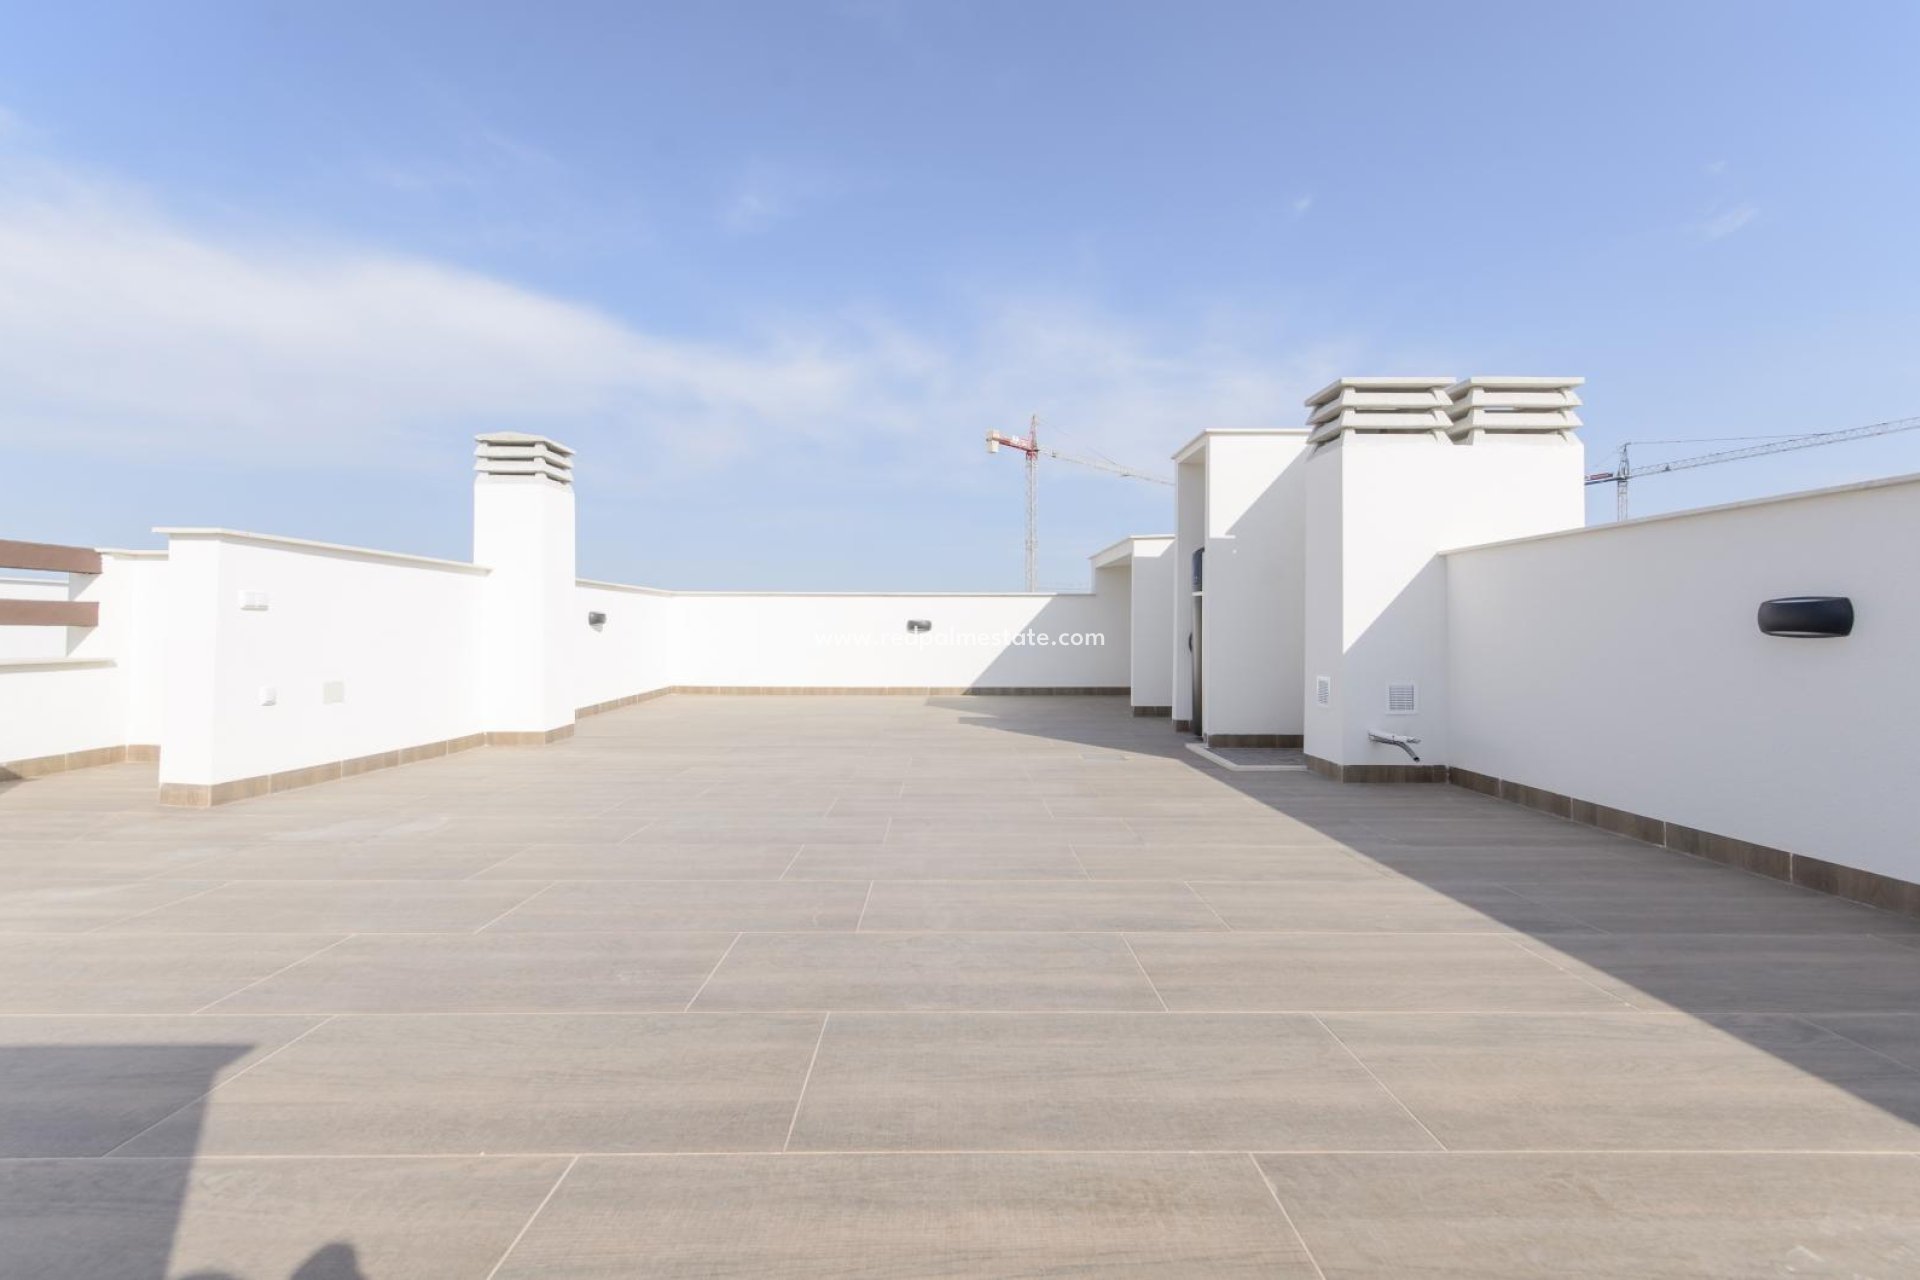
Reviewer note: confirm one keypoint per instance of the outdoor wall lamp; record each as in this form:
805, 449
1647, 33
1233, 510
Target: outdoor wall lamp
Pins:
919, 624
596, 619
1807, 616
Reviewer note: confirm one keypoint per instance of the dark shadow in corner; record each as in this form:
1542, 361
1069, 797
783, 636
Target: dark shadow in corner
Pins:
1793, 973
66, 1213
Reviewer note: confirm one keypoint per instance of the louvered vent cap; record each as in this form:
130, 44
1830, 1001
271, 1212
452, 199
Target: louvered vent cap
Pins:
507, 455
1378, 404
1510, 405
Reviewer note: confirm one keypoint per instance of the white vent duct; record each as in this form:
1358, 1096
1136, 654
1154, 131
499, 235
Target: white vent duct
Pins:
510, 455
1512, 405
1378, 404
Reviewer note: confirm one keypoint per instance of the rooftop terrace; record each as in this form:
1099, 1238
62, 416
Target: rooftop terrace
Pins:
905, 986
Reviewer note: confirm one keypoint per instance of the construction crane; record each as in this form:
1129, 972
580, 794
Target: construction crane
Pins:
1030, 446
1624, 471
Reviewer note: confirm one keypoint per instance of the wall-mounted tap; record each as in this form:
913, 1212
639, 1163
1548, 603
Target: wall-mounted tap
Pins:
1399, 740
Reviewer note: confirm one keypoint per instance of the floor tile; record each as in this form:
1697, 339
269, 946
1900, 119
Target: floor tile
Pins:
1293, 864
1657, 1082
385, 861
1281, 971
1745, 973
988, 861
1383, 905
1893, 1034
700, 905
637, 861
1521, 1217
917, 1215
493, 973
75, 906
1054, 905
503, 1083
266, 1219
1091, 1082
929, 971
335, 906
98, 973
83, 1086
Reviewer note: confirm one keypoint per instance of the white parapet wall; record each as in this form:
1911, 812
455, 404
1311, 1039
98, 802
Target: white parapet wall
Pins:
762, 640
626, 643
1623, 666
1239, 500
284, 656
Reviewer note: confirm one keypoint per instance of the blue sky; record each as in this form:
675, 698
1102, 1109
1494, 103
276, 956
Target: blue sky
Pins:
773, 269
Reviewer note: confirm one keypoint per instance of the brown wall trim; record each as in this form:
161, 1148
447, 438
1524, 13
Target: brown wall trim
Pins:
42, 766
924, 691
1867, 887
1153, 711
1255, 740
1183, 726
48, 557
1377, 772
49, 613
632, 699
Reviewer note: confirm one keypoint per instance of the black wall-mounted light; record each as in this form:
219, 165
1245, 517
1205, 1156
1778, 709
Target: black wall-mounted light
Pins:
1807, 616
919, 624
596, 619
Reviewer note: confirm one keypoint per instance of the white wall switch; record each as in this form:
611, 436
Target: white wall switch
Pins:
268, 695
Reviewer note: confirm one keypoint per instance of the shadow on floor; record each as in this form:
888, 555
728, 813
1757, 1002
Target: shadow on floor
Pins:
1826, 986
67, 1213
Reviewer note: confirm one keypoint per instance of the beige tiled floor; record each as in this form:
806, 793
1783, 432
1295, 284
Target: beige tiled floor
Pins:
903, 986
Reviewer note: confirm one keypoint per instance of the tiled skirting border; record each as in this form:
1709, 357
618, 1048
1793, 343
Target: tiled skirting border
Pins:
1867, 887
925, 691
41, 766
186, 795
1255, 740
1153, 711
1377, 772
632, 699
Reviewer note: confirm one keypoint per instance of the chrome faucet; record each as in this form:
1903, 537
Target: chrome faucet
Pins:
1399, 740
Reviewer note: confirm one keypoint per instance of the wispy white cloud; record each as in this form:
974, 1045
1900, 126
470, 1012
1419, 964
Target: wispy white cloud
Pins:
1716, 168
124, 331
765, 194
1301, 204
1721, 225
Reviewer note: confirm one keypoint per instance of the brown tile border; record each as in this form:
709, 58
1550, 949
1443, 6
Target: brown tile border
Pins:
1183, 726
1255, 740
924, 691
1377, 772
1869, 888
632, 699
1153, 711
43, 766
191, 796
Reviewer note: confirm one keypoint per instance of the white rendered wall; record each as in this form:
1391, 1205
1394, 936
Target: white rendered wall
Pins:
53, 706
32, 642
1622, 665
1380, 510
1151, 602
401, 635
1190, 534
635, 651
1253, 629
523, 530
740, 639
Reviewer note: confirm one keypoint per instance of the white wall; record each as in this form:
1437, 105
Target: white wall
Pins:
400, 633
1254, 589
635, 651
1623, 665
1381, 508
1190, 534
1154, 578
49, 707
32, 642
744, 639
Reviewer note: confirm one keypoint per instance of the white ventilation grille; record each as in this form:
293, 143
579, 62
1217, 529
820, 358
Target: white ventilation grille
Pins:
1402, 699
512, 456
1323, 690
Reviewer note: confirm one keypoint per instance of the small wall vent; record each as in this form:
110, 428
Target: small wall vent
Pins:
1323, 690
1402, 699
